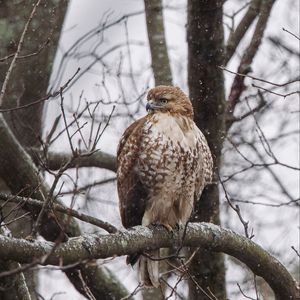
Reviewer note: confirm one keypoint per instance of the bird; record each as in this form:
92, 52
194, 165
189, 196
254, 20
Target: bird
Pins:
163, 165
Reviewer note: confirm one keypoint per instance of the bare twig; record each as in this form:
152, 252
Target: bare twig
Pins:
134, 292
294, 35
74, 153
244, 293
38, 51
60, 208
51, 95
230, 119
294, 201
275, 93
260, 79
87, 290
236, 208
296, 251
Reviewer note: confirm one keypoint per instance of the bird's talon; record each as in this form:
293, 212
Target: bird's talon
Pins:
168, 227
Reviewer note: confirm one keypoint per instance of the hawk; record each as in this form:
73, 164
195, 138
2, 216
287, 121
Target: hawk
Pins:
164, 163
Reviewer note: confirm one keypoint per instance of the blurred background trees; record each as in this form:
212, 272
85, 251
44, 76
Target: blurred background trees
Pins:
239, 62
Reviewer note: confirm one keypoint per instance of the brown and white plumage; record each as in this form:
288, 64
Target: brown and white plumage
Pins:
163, 165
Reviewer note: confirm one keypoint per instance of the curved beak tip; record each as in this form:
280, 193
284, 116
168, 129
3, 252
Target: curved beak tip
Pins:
148, 107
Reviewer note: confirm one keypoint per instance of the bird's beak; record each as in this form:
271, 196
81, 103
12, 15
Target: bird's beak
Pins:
150, 106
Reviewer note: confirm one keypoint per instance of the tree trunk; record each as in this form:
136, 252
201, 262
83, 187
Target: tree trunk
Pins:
157, 42
206, 85
30, 77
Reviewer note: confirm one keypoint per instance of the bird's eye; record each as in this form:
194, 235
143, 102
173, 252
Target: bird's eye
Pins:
163, 100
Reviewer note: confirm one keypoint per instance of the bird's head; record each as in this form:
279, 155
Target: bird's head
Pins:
169, 99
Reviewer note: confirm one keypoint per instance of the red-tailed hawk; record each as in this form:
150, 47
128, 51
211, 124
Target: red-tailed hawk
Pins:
163, 165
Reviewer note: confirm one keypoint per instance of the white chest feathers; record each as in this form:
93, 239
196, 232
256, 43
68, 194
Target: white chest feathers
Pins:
164, 128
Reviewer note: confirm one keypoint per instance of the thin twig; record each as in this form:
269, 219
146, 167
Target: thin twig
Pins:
134, 292
236, 208
60, 208
65, 122
260, 79
87, 290
275, 93
296, 251
38, 51
51, 95
294, 35
244, 293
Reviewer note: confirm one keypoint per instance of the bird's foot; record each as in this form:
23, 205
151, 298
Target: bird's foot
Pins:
167, 226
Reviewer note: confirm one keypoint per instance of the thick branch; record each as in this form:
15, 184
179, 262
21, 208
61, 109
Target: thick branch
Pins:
98, 159
157, 42
206, 235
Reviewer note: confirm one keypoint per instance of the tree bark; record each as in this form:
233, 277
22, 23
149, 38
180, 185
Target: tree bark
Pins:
13, 287
206, 85
138, 239
30, 77
55, 160
157, 42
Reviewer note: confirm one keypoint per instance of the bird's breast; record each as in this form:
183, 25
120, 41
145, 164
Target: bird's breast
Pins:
169, 153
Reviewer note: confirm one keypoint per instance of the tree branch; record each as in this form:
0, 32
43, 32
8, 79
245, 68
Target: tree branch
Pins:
60, 208
157, 42
17, 287
248, 56
236, 36
97, 159
138, 239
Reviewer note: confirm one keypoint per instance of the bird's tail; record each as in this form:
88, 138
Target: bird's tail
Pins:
148, 269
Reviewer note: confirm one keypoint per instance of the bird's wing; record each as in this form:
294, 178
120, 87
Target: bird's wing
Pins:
132, 194
204, 177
